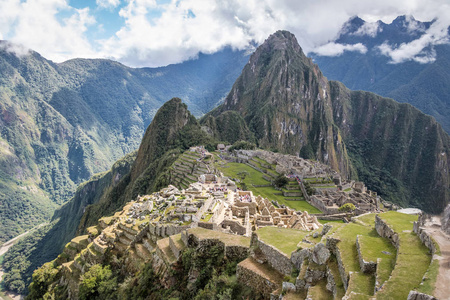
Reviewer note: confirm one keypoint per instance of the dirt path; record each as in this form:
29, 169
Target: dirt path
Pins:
442, 290
4, 248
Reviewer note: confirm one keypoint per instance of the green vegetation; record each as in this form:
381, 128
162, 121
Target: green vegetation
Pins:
97, 283
22, 259
255, 177
413, 258
376, 247
347, 207
429, 279
284, 239
280, 181
373, 246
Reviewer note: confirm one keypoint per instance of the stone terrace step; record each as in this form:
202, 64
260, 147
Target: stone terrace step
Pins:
163, 248
142, 252
149, 244
176, 245
252, 273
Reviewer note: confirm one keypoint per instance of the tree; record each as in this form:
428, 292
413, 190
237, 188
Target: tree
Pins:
347, 207
97, 283
280, 181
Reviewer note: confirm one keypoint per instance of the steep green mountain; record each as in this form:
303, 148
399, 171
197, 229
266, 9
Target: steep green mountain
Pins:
62, 123
289, 106
173, 130
424, 85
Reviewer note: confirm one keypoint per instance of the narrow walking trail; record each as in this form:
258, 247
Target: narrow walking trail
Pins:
442, 290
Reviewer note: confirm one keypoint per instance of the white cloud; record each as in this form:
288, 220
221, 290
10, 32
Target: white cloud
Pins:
334, 49
369, 28
154, 34
107, 3
34, 24
420, 50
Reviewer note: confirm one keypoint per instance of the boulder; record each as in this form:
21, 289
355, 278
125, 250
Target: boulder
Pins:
320, 254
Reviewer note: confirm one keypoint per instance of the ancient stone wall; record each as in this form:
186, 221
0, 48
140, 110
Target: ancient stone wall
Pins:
366, 266
256, 281
278, 260
425, 237
385, 231
235, 226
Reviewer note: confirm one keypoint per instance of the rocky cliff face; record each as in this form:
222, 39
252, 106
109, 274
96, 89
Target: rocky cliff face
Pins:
284, 99
290, 106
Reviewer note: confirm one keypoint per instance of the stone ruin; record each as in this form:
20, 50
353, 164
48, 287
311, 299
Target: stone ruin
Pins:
329, 201
213, 203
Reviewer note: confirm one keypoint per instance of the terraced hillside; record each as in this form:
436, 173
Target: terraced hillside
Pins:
148, 250
356, 262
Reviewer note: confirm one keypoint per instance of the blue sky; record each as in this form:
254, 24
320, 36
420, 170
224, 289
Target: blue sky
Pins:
159, 32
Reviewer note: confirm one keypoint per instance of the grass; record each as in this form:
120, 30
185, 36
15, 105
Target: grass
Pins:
372, 248
284, 239
413, 258
332, 221
319, 291
364, 283
81, 240
398, 221
429, 282
361, 283
255, 177
367, 219
334, 269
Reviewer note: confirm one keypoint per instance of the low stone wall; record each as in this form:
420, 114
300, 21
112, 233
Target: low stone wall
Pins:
319, 204
292, 194
344, 274
331, 283
366, 266
276, 259
425, 237
235, 226
385, 231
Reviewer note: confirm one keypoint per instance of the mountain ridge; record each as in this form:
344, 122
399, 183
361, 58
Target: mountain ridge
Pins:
295, 109
63, 122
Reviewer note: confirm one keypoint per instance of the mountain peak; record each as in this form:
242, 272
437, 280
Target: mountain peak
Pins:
281, 40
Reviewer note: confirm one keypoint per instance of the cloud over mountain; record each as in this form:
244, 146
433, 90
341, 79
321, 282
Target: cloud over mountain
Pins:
155, 33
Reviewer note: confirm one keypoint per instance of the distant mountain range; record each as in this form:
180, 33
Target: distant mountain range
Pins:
424, 85
61, 123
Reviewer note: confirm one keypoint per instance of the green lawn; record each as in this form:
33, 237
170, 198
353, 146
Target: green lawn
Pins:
284, 239
255, 177
319, 291
430, 278
413, 258
372, 248
332, 222
368, 219
347, 233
